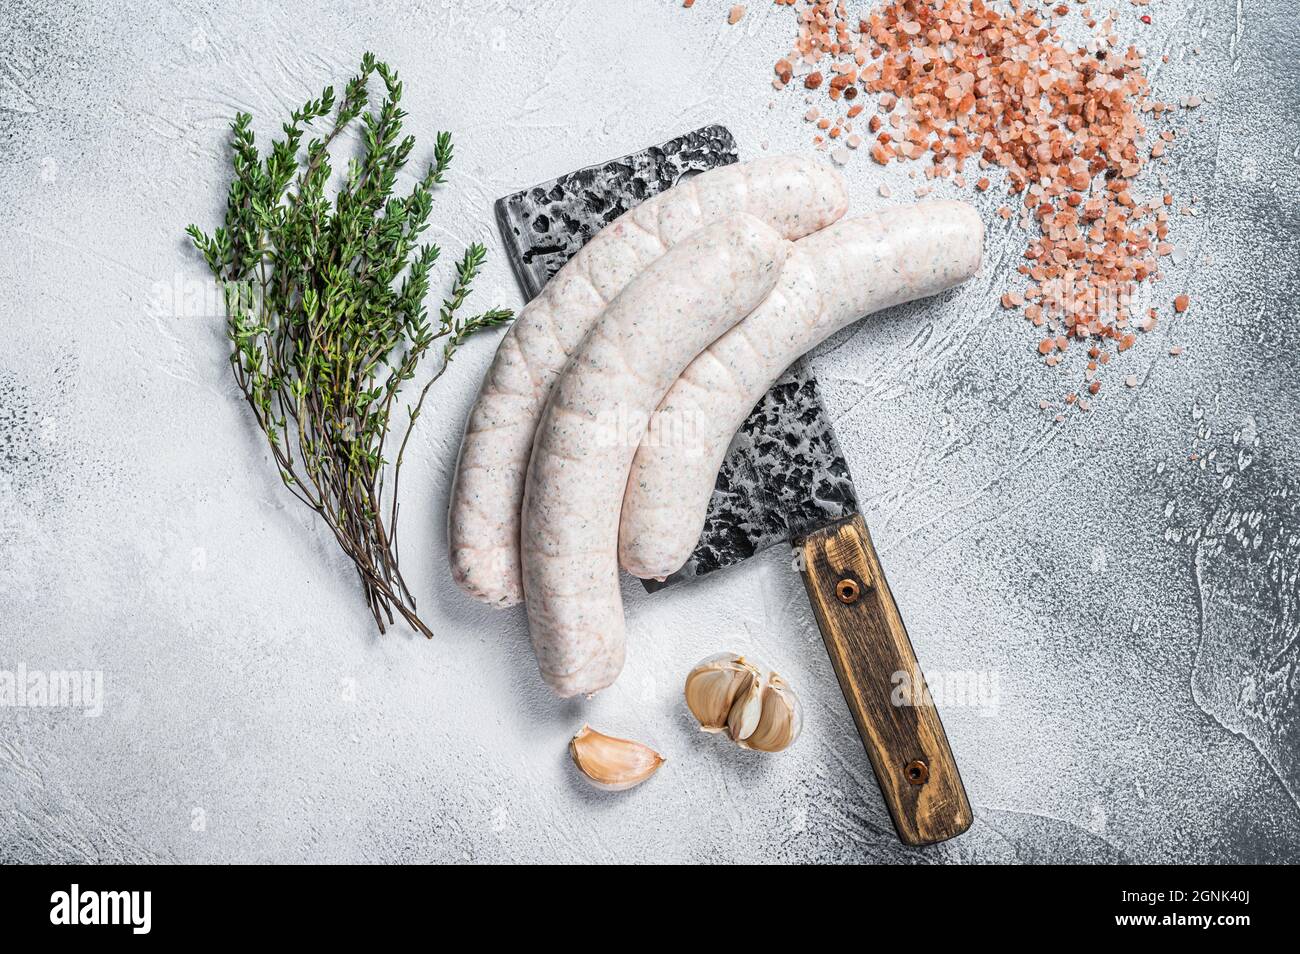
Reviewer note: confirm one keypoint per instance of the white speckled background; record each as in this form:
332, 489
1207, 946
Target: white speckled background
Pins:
1141, 609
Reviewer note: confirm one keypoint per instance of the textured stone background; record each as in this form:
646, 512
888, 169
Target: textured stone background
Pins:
1139, 608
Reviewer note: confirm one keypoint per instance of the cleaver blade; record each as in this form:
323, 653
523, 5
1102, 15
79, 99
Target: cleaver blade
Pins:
544, 226
784, 481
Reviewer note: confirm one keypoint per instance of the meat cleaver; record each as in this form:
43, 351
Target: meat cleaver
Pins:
784, 481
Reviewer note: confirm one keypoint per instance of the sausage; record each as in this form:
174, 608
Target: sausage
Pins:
796, 196
591, 427
830, 279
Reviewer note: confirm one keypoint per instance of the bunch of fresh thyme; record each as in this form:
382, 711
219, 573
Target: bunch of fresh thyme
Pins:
325, 310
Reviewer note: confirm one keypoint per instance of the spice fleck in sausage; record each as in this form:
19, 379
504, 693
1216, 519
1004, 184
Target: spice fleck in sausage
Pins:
593, 422
830, 279
796, 196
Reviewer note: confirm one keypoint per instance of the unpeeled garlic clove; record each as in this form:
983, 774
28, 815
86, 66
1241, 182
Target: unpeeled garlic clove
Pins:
713, 686
780, 721
612, 764
747, 710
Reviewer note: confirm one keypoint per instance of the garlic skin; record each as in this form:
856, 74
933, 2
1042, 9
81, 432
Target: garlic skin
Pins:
780, 721
755, 707
612, 764
713, 686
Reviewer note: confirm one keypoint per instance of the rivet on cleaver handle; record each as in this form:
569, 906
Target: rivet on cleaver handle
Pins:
868, 644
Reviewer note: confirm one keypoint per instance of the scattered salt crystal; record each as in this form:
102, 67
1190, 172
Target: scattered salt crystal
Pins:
948, 98
884, 191
840, 155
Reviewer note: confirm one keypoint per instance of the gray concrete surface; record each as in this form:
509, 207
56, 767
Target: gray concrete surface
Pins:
1138, 608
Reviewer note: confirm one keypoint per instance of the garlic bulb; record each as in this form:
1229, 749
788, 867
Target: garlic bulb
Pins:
756, 707
612, 764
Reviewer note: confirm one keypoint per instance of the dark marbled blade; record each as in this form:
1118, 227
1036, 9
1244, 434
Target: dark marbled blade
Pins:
545, 225
784, 475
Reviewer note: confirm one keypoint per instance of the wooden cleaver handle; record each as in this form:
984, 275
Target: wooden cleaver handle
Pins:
868, 646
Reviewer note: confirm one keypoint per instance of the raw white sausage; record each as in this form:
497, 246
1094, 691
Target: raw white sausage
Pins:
794, 195
593, 422
830, 279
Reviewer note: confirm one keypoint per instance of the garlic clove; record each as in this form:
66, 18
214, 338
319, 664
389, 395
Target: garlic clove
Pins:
612, 764
747, 710
780, 721
712, 687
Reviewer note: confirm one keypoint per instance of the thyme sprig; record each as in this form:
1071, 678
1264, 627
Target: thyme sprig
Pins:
325, 311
